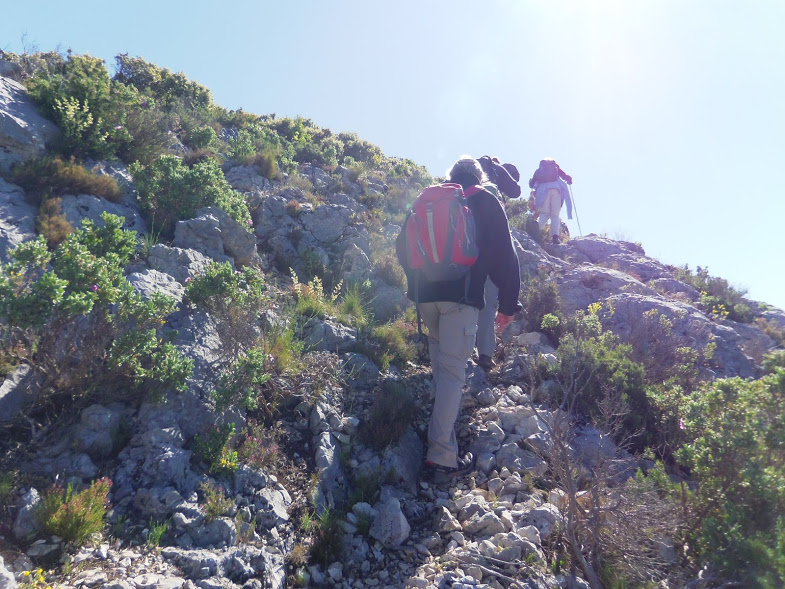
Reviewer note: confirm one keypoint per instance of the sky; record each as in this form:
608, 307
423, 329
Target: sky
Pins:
668, 114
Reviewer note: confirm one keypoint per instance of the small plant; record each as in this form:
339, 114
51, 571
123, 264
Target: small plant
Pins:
328, 538
35, 579
259, 448
75, 515
215, 501
390, 416
51, 223
155, 531
389, 344
213, 449
299, 555
241, 385
312, 299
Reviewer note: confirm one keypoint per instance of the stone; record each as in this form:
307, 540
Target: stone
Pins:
77, 208
24, 133
26, 524
97, 431
17, 218
147, 282
215, 234
15, 392
182, 264
390, 526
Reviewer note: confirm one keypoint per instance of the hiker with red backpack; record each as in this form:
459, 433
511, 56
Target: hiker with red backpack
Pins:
551, 189
454, 238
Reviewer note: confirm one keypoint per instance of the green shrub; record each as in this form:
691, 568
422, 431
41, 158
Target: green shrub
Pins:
541, 298
717, 296
52, 176
242, 385
75, 516
235, 298
167, 88
594, 367
213, 450
201, 137
389, 344
734, 448
41, 293
170, 192
391, 414
89, 108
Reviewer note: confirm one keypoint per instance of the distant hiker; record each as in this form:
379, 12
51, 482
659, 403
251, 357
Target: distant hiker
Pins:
550, 184
449, 308
504, 176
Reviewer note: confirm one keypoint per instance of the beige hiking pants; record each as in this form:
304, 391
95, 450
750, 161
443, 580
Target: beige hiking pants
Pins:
550, 211
452, 329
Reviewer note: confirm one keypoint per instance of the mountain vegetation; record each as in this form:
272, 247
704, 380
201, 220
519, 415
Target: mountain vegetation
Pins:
212, 373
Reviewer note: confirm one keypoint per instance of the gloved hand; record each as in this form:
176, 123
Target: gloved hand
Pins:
502, 321
569, 181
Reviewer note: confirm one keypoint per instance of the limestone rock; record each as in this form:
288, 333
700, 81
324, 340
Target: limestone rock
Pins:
24, 133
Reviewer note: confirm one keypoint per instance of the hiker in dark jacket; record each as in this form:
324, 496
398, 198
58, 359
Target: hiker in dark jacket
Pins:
449, 310
551, 190
504, 176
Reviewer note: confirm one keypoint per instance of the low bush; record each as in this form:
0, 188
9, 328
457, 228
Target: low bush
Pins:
390, 344
74, 516
540, 299
391, 414
53, 176
169, 192
717, 296
734, 448
51, 223
214, 500
259, 447
242, 385
43, 293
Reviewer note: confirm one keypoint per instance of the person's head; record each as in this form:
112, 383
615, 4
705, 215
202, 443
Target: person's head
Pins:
467, 171
546, 160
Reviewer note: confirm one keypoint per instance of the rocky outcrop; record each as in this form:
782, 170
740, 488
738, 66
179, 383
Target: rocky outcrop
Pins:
215, 234
24, 133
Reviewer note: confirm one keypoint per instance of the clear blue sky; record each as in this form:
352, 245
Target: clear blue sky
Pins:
669, 114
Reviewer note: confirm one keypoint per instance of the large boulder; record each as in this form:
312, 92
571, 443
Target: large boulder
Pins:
86, 206
179, 263
24, 133
216, 235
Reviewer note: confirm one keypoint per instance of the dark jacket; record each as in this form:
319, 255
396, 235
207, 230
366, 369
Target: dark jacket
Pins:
562, 174
500, 175
496, 259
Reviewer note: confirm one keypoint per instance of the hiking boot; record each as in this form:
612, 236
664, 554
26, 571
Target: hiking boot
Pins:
438, 474
555, 240
485, 362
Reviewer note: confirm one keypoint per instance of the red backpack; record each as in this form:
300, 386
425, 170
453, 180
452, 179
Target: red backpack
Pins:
440, 233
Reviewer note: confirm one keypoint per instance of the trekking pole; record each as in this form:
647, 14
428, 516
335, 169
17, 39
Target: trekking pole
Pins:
574, 206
